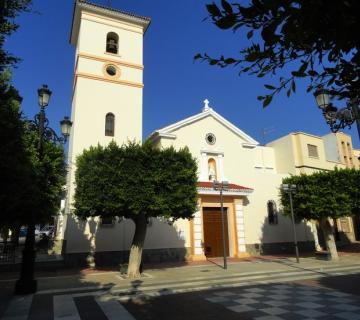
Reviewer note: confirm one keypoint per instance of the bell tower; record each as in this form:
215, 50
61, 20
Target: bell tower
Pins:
108, 76
108, 81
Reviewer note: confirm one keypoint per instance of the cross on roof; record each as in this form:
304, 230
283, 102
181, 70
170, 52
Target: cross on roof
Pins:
206, 105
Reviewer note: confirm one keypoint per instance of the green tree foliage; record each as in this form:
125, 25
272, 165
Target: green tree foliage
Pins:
9, 10
13, 159
48, 177
31, 188
324, 195
313, 39
136, 182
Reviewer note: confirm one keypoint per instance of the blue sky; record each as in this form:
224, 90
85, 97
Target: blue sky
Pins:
175, 86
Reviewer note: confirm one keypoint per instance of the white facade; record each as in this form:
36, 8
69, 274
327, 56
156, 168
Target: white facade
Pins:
222, 150
240, 160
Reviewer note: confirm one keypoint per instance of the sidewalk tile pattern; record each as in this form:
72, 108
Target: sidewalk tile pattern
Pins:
88, 305
288, 302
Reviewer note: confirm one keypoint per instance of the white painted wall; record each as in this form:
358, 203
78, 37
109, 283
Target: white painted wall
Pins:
252, 167
82, 235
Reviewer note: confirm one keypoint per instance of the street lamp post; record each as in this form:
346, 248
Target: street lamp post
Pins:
221, 186
338, 118
290, 189
27, 284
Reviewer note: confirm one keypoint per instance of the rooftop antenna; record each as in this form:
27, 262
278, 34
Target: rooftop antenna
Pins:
109, 3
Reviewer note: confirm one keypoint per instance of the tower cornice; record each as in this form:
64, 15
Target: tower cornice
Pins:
120, 15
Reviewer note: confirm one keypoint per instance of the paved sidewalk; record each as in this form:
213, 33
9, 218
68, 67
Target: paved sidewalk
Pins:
99, 294
281, 301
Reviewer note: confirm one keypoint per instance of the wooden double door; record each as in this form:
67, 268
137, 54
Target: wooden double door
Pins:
213, 239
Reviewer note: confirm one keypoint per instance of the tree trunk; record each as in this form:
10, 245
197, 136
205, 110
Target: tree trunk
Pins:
15, 233
27, 284
137, 247
315, 234
5, 234
329, 238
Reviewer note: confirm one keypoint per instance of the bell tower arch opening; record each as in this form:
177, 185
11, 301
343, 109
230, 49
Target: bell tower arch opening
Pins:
112, 43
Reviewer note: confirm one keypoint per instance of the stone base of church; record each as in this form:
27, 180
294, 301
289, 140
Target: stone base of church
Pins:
115, 258
279, 248
197, 257
242, 255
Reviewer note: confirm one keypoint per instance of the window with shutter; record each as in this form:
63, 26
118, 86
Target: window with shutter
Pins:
313, 151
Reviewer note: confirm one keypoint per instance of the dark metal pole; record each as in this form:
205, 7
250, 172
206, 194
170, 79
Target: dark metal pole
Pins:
41, 132
223, 226
27, 284
294, 227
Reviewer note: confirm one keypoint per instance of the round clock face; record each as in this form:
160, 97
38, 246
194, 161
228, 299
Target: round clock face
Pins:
210, 138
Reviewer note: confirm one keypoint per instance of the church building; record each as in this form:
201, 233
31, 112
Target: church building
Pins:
109, 63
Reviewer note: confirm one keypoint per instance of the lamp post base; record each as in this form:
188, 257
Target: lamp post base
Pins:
25, 286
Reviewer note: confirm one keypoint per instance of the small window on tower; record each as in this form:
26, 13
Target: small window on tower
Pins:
112, 42
109, 125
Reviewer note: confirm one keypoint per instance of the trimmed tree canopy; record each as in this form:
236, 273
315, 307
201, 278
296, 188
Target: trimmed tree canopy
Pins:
133, 179
137, 182
316, 196
322, 194
313, 39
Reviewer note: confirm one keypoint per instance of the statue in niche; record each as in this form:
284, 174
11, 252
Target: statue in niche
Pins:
212, 169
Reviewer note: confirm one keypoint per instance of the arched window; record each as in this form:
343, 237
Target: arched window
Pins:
212, 169
272, 212
109, 125
112, 42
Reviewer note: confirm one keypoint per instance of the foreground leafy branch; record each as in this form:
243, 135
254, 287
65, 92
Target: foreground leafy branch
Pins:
309, 39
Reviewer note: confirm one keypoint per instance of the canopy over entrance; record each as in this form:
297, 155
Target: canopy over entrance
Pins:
206, 188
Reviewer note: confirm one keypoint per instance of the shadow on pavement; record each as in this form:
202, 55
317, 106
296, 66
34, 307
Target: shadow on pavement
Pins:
42, 304
346, 283
178, 307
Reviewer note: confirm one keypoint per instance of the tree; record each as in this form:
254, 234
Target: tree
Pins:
9, 10
136, 182
42, 198
31, 184
324, 195
31, 187
14, 163
312, 39
33, 180
13, 156
48, 176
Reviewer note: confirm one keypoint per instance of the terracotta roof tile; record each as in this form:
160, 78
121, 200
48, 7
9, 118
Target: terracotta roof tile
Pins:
209, 184
114, 10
